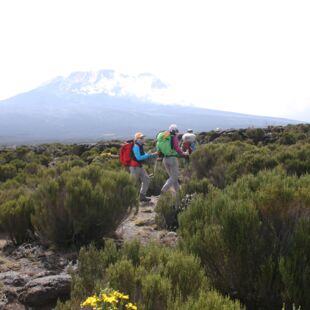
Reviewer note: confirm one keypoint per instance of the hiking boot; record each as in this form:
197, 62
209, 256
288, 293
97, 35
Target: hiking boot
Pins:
160, 194
143, 198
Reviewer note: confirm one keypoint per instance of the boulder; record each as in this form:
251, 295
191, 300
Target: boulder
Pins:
13, 278
45, 290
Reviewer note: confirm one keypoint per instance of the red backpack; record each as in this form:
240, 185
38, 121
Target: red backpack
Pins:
125, 153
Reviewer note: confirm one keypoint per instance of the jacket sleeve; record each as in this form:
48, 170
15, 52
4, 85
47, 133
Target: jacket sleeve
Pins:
176, 146
139, 157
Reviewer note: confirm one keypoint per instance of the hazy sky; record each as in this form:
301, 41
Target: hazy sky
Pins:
244, 56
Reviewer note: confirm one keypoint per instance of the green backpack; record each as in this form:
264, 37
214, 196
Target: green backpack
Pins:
163, 144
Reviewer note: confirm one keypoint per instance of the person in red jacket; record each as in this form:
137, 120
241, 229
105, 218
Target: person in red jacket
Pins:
136, 165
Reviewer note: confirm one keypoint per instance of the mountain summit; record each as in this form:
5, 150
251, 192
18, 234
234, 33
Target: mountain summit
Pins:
87, 106
145, 86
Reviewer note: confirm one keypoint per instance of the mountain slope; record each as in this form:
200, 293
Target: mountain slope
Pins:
91, 106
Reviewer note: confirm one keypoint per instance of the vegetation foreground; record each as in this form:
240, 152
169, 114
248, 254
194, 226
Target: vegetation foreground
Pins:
243, 221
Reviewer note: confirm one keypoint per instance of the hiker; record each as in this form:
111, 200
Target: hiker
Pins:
168, 145
189, 141
135, 166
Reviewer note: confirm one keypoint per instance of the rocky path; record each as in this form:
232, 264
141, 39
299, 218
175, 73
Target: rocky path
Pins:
141, 226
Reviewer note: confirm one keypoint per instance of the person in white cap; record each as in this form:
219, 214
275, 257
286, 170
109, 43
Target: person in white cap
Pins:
136, 167
171, 161
189, 141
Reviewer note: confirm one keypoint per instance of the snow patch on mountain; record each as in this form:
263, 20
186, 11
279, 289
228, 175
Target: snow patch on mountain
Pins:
145, 86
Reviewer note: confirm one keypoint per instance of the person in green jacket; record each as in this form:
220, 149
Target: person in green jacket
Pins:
171, 163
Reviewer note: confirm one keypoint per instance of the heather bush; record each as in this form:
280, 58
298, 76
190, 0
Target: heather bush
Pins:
7, 171
212, 161
272, 134
81, 205
255, 134
154, 277
169, 206
251, 237
223, 164
295, 269
288, 139
15, 215
157, 180
166, 211
208, 300
195, 186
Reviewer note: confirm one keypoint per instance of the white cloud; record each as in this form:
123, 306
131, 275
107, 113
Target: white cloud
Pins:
244, 56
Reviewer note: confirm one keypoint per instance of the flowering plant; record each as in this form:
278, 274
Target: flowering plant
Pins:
109, 299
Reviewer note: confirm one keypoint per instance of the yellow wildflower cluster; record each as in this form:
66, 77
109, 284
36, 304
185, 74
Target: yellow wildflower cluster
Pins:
131, 306
91, 301
112, 300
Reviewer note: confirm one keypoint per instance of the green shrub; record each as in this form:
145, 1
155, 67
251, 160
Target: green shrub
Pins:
212, 161
223, 164
32, 168
185, 274
19, 164
255, 134
243, 233
14, 214
7, 171
82, 205
155, 290
157, 181
161, 278
166, 211
91, 271
169, 206
288, 139
211, 300
295, 268
122, 275
195, 186
132, 251
15, 218
272, 134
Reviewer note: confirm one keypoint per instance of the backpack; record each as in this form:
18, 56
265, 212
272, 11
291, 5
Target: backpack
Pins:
163, 144
125, 152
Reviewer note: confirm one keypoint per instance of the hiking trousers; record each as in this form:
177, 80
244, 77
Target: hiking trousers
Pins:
140, 175
172, 167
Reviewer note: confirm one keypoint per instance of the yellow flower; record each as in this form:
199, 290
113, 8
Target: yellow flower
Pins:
90, 301
120, 295
104, 296
109, 299
131, 306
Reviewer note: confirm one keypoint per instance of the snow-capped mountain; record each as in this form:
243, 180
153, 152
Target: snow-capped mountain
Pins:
102, 105
144, 86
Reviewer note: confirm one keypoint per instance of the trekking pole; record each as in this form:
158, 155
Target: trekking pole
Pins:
155, 166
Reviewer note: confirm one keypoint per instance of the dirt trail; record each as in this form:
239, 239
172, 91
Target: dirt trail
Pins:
141, 226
